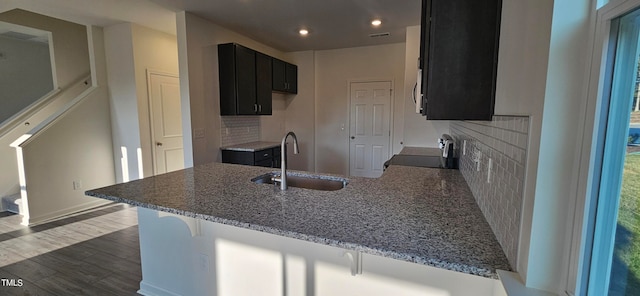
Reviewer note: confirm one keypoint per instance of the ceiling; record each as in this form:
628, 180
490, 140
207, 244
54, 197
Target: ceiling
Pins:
331, 23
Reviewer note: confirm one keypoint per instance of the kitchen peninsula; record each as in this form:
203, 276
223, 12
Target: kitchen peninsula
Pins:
195, 220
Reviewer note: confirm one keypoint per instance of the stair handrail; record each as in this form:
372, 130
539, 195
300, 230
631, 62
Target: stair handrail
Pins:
50, 120
23, 115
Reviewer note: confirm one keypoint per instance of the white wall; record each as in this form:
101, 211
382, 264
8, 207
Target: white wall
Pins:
417, 130
541, 69
200, 93
521, 81
300, 114
131, 51
556, 178
72, 64
25, 74
333, 71
75, 147
123, 100
272, 128
157, 51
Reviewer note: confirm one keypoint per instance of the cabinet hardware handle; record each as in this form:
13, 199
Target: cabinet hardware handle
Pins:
255, 107
260, 108
266, 154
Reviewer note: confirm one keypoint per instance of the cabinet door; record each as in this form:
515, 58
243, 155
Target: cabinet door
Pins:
237, 157
227, 78
277, 157
278, 70
291, 78
263, 86
462, 58
246, 81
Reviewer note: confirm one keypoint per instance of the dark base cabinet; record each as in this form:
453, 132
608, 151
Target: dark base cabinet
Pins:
265, 158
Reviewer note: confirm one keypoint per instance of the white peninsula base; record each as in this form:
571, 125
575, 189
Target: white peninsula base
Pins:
186, 256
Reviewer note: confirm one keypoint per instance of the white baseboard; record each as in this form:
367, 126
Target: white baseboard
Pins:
151, 290
513, 285
30, 221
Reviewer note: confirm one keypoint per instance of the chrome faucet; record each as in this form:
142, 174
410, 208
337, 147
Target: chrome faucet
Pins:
283, 158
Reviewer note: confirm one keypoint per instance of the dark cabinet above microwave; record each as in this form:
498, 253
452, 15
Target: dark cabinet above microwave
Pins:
247, 80
459, 58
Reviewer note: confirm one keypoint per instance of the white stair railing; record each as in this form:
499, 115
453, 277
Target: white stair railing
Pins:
44, 107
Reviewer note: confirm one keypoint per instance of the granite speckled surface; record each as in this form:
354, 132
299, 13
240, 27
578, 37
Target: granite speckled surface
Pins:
251, 146
420, 215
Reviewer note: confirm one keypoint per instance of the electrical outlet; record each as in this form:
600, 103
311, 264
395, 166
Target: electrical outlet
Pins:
489, 170
226, 130
77, 185
198, 133
477, 155
464, 147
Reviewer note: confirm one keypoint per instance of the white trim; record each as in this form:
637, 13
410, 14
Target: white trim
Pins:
574, 246
152, 290
513, 285
31, 221
92, 56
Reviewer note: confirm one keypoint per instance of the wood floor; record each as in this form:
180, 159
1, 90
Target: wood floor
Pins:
93, 253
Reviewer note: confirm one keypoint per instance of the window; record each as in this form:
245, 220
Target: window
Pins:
615, 260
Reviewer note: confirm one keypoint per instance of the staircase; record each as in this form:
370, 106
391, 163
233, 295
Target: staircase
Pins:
12, 203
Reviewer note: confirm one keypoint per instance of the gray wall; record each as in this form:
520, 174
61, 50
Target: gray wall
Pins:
25, 74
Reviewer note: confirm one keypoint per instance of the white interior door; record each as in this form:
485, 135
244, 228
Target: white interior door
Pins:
164, 93
370, 128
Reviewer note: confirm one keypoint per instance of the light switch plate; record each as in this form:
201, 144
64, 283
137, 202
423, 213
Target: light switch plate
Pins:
198, 133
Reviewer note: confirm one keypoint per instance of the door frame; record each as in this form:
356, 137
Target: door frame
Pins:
152, 135
391, 116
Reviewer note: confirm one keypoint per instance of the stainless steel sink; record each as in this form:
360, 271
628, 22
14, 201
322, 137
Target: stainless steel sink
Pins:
325, 183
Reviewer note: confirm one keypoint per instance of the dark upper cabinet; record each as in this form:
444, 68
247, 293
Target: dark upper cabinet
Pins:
285, 77
263, 84
459, 57
243, 74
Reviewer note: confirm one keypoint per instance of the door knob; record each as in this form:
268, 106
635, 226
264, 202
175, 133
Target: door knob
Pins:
158, 144
352, 137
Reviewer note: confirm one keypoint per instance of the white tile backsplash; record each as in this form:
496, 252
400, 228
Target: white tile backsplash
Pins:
239, 129
503, 140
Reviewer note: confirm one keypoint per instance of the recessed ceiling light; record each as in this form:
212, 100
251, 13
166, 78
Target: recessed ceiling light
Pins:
304, 32
376, 22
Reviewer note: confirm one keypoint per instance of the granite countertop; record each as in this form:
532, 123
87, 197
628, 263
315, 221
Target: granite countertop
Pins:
251, 146
422, 215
